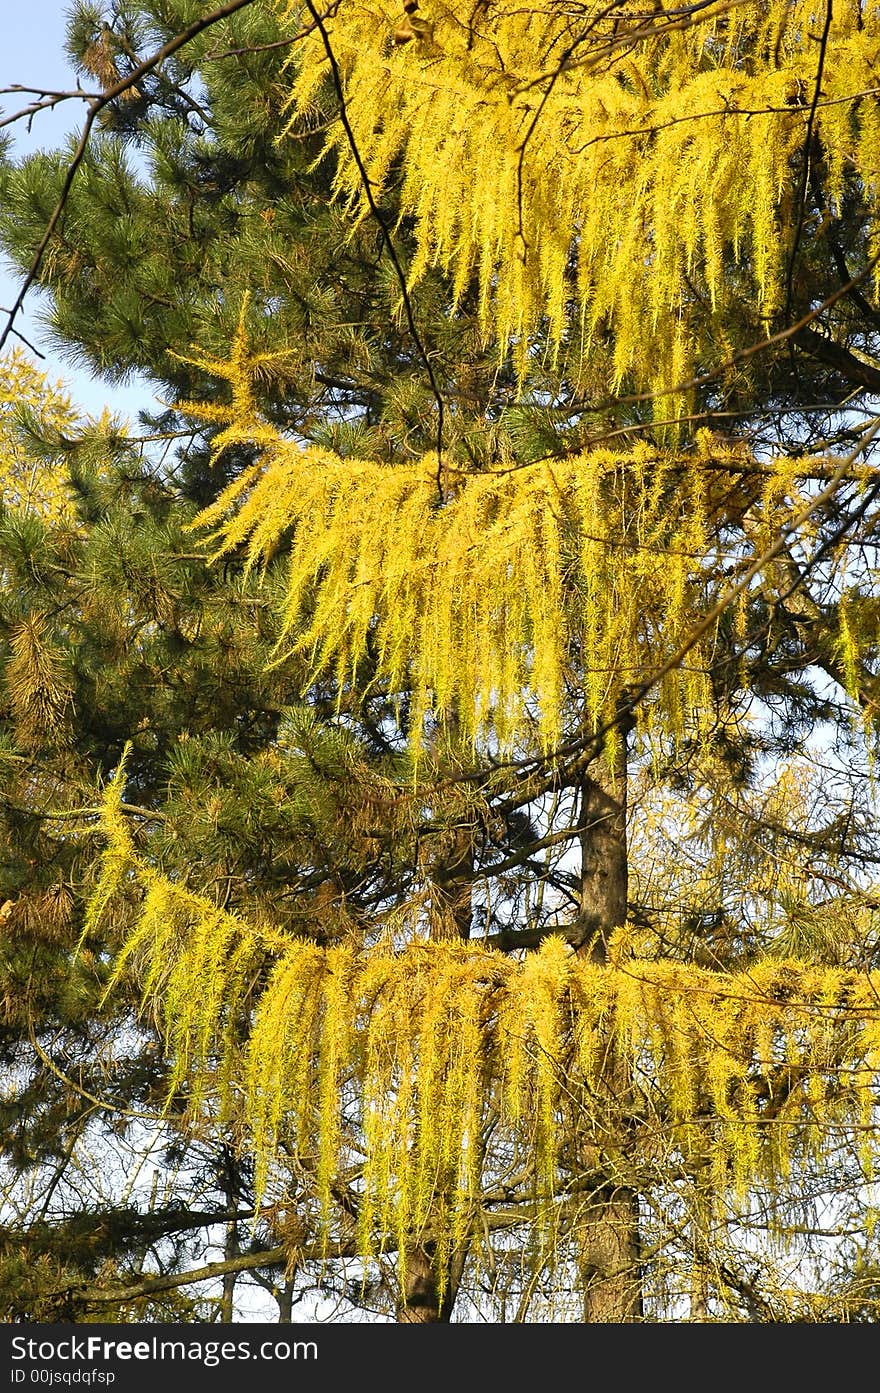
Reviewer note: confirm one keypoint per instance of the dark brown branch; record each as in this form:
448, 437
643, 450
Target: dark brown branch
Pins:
49, 99
263, 1257
279, 1256
254, 48
27, 343
508, 940
839, 358
749, 111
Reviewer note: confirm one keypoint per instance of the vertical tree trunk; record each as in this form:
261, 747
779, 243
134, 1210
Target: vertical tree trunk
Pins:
701, 1224
422, 1303
284, 1298
231, 1191
610, 1269
452, 878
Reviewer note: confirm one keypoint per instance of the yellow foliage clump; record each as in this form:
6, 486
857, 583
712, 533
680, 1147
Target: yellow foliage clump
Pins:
511, 595
603, 166
396, 1062
28, 482
483, 602
492, 593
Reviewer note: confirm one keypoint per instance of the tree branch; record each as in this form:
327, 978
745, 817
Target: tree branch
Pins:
836, 356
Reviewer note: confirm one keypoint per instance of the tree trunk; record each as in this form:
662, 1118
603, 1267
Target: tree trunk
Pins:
422, 1304
701, 1227
452, 908
604, 879
284, 1297
231, 1250
610, 1267
610, 1257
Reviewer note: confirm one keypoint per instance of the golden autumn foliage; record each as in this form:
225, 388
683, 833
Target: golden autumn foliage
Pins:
395, 1060
602, 172
508, 595
602, 167
26, 481
487, 601
624, 176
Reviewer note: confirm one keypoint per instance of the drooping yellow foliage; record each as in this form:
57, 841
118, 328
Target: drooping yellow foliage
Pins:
608, 165
736, 870
26, 481
758, 1067
486, 601
499, 593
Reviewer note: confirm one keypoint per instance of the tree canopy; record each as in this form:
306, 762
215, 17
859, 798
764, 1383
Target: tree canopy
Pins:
470, 789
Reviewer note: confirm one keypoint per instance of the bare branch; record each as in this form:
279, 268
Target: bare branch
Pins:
27, 343
48, 100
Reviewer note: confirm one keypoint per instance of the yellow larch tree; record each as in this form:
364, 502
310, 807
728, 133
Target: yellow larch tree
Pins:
582, 632
612, 168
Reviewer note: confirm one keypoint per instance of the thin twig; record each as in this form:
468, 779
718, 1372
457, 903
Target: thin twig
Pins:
27, 343
49, 100
386, 235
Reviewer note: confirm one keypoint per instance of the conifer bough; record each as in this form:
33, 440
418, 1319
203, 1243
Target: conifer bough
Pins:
759, 1067
605, 168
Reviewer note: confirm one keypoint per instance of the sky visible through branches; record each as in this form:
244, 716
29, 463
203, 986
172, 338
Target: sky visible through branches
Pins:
32, 54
